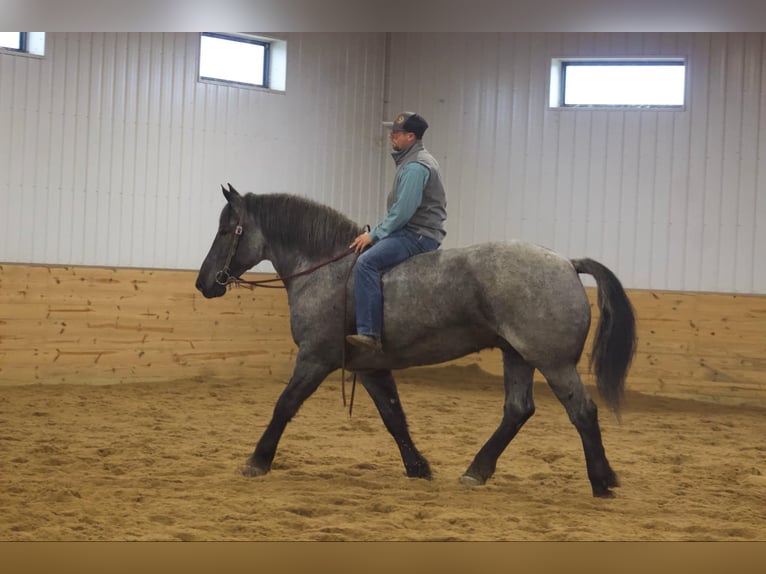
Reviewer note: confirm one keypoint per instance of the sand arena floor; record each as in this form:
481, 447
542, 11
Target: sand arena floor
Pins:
161, 462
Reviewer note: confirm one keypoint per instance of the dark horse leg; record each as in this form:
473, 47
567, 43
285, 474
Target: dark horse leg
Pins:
518, 407
381, 387
307, 376
583, 413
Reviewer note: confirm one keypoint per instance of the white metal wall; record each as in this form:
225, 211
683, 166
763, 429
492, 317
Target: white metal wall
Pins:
112, 152
669, 200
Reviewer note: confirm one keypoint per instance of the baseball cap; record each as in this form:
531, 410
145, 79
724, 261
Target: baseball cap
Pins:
408, 122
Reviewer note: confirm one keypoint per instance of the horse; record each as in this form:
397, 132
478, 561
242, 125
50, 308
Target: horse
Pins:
521, 298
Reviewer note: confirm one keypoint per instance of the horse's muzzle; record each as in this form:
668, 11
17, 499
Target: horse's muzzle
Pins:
211, 292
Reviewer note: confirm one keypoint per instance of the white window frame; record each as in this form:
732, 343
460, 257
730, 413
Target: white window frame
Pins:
32, 44
275, 64
557, 82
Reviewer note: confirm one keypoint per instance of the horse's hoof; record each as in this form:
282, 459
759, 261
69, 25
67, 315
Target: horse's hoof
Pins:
419, 471
468, 480
251, 471
601, 488
421, 476
603, 493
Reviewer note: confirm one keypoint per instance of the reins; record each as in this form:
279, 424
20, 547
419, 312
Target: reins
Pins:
237, 281
224, 277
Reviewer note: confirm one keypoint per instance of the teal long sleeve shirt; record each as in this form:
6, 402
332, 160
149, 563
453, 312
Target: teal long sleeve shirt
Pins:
409, 195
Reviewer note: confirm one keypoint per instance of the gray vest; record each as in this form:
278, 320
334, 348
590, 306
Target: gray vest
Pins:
431, 214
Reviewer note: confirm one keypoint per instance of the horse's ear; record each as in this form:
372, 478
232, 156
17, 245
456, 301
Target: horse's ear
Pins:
230, 193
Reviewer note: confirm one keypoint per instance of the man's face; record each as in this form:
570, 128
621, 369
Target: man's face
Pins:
401, 140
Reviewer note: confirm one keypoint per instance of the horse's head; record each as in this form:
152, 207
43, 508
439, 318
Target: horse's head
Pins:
237, 246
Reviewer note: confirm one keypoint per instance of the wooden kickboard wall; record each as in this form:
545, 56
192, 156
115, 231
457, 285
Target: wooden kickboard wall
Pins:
104, 325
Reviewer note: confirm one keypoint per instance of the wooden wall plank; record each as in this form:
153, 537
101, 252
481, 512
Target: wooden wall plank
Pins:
105, 325
99, 325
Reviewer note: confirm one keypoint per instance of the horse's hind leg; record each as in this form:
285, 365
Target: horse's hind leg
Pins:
381, 387
518, 407
583, 413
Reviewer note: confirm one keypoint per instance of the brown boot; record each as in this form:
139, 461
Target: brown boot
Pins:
366, 341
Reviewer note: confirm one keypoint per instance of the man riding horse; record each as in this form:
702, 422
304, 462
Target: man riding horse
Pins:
417, 210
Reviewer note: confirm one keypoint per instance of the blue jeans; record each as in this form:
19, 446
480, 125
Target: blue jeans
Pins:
382, 256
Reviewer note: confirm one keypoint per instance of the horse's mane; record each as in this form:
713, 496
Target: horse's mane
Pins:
301, 223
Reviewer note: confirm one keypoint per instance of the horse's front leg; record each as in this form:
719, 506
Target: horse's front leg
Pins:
307, 376
381, 387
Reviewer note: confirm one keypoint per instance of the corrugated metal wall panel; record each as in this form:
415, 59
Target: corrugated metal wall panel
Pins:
116, 151
669, 200
759, 242
747, 263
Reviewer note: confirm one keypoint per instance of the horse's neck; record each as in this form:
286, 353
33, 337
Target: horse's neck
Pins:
291, 261
293, 252
287, 262
311, 284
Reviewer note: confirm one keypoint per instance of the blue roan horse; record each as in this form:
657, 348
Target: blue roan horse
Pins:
521, 298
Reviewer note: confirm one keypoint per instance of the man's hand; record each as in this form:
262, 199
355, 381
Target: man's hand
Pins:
361, 242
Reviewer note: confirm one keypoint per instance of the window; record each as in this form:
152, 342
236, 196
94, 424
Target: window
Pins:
624, 83
241, 60
23, 42
11, 40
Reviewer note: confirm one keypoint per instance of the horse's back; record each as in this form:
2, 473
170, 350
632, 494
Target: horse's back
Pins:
519, 292
497, 266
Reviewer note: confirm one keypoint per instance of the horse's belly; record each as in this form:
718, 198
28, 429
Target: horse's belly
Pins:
441, 345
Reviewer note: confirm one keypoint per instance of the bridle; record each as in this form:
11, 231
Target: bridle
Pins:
225, 278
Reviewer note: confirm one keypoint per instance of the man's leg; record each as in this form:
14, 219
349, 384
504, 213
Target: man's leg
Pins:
368, 293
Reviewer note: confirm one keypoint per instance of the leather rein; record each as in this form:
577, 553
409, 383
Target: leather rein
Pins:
224, 277
239, 282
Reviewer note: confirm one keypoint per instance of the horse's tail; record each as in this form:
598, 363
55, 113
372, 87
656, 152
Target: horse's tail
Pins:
615, 341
